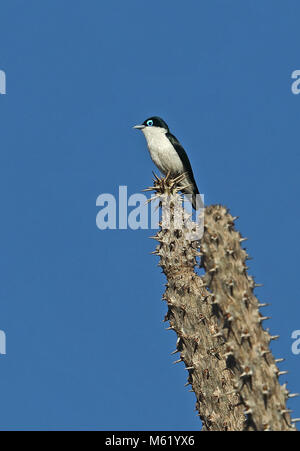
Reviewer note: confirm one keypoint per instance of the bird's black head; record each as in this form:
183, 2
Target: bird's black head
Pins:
153, 121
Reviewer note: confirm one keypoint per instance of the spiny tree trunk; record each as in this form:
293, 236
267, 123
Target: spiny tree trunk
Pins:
216, 317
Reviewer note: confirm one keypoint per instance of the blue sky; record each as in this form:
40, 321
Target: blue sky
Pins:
81, 308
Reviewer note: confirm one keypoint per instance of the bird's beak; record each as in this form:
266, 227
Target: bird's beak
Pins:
139, 127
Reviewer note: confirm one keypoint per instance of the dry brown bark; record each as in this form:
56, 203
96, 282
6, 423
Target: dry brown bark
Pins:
216, 317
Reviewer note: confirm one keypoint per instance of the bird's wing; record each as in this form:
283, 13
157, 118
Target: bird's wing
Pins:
185, 160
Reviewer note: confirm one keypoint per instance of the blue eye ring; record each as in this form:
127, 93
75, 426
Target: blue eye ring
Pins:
150, 123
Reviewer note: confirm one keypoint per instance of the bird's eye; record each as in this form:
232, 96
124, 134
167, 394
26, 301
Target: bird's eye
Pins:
150, 123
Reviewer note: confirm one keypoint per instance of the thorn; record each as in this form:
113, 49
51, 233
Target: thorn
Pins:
169, 328
243, 239
246, 373
214, 269
265, 352
177, 361
186, 186
245, 335
265, 391
257, 285
186, 384
293, 395
263, 318
295, 420
281, 373
150, 200
202, 317
156, 176
219, 334
286, 411
263, 305
274, 337
189, 368
168, 175
180, 177
215, 301
174, 352
279, 360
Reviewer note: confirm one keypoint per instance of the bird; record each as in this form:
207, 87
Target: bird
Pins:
169, 156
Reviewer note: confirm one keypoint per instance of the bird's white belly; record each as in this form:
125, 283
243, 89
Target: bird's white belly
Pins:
164, 156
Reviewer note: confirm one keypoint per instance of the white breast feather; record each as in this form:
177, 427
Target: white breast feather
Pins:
163, 154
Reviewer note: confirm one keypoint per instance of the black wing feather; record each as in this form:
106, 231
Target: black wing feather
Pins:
185, 160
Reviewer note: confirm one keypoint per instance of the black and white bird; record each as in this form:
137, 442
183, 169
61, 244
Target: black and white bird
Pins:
169, 156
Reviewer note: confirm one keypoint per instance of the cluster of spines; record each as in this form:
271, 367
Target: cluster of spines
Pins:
253, 366
210, 316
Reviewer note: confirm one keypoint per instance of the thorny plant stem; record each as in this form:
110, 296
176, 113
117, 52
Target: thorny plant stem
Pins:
219, 327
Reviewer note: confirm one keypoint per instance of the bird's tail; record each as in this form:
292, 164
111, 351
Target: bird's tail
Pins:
197, 201
194, 197
190, 189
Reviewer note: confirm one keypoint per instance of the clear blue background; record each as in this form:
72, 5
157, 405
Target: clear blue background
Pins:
86, 346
